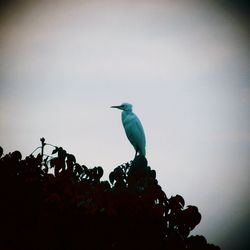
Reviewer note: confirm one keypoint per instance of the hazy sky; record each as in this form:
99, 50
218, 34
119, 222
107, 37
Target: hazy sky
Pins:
184, 65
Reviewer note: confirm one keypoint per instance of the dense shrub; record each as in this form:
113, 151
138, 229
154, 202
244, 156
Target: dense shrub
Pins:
73, 209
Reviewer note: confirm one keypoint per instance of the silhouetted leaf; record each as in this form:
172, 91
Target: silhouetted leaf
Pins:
16, 155
180, 200
78, 169
176, 202
99, 172
62, 153
112, 177
192, 216
52, 162
153, 174
55, 151
71, 157
1, 151
196, 242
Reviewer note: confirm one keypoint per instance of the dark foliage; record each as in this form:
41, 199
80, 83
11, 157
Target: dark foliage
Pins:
73, 209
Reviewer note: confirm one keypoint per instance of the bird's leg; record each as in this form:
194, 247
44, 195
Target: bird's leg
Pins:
136, 151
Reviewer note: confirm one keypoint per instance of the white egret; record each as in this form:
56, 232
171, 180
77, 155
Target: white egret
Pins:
133, 128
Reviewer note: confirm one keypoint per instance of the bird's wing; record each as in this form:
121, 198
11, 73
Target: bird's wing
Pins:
135, 133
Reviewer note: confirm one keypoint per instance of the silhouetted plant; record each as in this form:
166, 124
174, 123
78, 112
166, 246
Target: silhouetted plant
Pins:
73, 209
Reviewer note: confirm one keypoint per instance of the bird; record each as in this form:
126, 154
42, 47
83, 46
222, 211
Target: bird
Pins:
133, 128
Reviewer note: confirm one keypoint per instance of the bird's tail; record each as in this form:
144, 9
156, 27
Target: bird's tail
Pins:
142, 151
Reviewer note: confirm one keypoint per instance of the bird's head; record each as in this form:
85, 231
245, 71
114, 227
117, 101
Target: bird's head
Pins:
124, 106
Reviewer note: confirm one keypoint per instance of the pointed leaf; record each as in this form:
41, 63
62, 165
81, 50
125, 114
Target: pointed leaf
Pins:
55, 151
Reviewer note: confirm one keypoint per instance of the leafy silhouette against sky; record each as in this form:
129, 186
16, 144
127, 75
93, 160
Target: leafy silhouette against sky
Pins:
52, 202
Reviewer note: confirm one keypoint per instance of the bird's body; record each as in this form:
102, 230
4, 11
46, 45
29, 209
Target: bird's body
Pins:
133, 128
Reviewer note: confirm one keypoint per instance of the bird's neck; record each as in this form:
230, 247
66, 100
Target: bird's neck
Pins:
125, 113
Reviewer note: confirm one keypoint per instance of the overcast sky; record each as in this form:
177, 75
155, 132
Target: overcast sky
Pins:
184, 65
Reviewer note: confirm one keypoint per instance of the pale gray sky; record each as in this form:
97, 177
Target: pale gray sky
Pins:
184, 65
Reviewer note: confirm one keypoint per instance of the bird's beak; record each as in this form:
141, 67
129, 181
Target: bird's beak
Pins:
116, 107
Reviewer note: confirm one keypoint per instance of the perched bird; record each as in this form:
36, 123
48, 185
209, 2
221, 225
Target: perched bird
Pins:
133, 128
